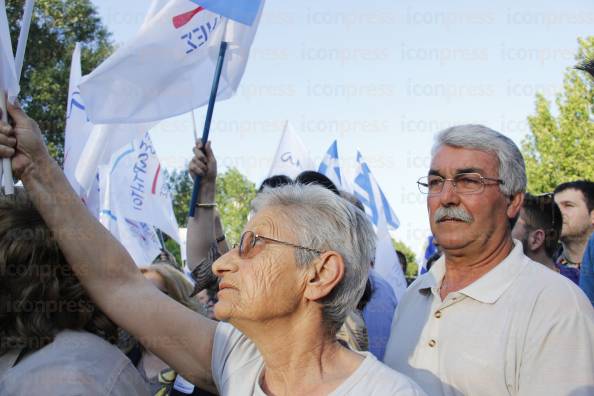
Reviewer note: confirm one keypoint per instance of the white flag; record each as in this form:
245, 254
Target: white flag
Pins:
168, 68
102, 143
139, 239
78, 127
8, 78
137, 187
387, 263
291, 157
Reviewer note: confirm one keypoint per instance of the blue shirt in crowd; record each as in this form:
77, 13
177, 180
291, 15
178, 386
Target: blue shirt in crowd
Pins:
587, 271
378, 314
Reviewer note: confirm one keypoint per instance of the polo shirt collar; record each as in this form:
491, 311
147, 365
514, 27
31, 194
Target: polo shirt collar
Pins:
489, 287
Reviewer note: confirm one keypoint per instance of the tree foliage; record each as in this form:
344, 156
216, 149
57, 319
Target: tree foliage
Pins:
56, 27
411, 258
560, 147
234, 192
234, 195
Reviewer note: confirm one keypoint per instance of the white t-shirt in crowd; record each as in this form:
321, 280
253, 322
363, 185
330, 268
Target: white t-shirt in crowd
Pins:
237, 368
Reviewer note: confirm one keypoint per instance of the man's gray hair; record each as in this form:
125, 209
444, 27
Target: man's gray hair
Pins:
512, 169
324, 221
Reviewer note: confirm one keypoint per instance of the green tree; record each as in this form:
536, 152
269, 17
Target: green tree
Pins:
233, 196
411, 259
56, 27
181, 186
560, 147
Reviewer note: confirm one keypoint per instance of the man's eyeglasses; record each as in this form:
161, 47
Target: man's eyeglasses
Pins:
249, 239
463, 183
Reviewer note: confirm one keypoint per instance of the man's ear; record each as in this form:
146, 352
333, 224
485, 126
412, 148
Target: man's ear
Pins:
536, 239
592, 217
515, 204
327, 272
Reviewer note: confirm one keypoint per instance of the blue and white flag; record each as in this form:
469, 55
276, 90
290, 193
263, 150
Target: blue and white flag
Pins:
330, 166
367, 190
169, 67
243, 11
430, 250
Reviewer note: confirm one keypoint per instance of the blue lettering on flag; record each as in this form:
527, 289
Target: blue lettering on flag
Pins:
75, 103
199, 36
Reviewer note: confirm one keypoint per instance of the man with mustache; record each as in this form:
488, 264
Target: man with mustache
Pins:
487, 320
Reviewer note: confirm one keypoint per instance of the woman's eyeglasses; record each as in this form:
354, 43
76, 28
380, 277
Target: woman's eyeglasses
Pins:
249, 239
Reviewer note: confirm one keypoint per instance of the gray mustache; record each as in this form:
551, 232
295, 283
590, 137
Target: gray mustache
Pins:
452, 212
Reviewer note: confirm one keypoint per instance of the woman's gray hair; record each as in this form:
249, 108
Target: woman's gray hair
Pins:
512, 169
324, 221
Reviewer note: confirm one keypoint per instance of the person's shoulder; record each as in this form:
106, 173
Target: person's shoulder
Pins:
379, 284
235, 358
552, 290
77, 360
380, 379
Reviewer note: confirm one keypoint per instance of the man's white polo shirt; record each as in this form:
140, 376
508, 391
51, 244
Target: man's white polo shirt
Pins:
520, 329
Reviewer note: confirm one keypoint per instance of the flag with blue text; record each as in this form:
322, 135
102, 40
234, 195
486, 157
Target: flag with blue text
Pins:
168, 68
139, 239
291, 157
137, 188
78, 126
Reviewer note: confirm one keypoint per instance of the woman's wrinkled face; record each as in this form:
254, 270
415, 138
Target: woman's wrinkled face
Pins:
265, 285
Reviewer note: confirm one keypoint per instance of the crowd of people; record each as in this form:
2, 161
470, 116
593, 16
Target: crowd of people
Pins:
297, 307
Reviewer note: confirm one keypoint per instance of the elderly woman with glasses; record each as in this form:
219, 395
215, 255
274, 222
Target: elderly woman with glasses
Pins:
301, 265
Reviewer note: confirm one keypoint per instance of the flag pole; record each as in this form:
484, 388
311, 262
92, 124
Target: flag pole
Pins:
7, 180
6, 173
23, 36
211, 104
161, 239
194, 126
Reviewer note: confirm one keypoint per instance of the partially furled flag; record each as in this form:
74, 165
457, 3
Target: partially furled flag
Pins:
291, 157
243, 11
168, 68
430, 250
330, 166
8, 76
386, 261
136, 188
139, 239
78, 126
103, 141
367, 190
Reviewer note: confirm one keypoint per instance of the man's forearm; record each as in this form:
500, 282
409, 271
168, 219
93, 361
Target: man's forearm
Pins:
94, 255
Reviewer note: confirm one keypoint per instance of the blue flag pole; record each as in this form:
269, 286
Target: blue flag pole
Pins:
211, 104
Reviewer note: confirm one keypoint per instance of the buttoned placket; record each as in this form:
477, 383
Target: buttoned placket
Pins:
431, 337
